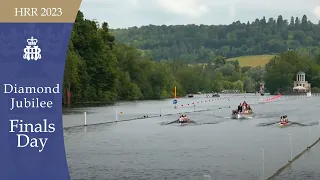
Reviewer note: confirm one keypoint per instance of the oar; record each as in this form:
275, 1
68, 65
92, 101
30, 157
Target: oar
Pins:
298, 124
268, 124
212, 122
193, 122
313, 124
173, 122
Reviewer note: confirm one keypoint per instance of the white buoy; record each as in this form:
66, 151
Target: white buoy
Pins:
290, 143
85, 118
262, 164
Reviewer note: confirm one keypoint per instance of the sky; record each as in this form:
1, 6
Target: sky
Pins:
129, 13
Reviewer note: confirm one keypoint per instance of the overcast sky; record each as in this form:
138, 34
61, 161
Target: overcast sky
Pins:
128, 13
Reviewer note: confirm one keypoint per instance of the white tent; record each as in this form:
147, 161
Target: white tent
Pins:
299, 88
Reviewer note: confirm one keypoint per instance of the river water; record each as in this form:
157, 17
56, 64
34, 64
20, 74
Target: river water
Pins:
217, 148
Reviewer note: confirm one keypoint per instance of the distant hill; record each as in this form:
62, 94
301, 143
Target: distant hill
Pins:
253, 61
200, 43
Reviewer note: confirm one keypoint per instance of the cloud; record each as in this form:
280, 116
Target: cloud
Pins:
317, 11
232, 12
191, 8
128, 13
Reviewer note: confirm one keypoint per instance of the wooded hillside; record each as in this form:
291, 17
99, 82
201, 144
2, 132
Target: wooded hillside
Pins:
101, 69
202, 43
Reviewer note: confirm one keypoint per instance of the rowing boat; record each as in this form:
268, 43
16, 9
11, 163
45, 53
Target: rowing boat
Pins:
190, 95
185, 122
241, 115
283, 124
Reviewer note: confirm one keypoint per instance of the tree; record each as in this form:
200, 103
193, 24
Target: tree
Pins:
105, 65
304, 23
281, 70
256, 74
203, 43
248, 85
218, 62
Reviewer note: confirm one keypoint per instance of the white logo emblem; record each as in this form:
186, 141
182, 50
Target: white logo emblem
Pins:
32, 51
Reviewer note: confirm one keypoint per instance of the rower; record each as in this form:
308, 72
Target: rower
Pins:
239, 108
281, 119
181, 118
244, 103
186, 119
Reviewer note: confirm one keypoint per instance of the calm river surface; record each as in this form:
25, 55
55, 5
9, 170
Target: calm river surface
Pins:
220, 147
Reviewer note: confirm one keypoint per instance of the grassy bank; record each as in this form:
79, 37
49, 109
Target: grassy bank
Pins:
253, 61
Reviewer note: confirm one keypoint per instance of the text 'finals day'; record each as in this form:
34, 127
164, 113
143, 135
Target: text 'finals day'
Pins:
23, 129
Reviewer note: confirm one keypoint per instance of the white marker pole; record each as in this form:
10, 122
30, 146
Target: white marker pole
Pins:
85, 118
310, 135
207, 176
290, 146
116, 113
262, 164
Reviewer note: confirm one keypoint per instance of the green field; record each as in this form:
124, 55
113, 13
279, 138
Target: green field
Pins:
253, 61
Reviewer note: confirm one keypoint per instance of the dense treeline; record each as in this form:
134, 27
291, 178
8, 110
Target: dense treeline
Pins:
202, 43
281, 71
100, 70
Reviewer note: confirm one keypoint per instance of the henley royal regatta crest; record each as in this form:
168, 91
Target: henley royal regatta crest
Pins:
32, 51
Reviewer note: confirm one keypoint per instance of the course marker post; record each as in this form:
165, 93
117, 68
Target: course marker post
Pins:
85, 118
207, 176
117, 113
290, 143
262, 164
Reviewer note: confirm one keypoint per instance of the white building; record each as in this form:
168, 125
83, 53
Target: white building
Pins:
301, 85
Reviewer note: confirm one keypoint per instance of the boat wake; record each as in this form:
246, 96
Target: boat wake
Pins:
176, 122
217, 122
290, 123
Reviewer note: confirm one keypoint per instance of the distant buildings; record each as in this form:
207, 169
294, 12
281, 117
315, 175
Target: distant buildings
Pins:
301, 85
